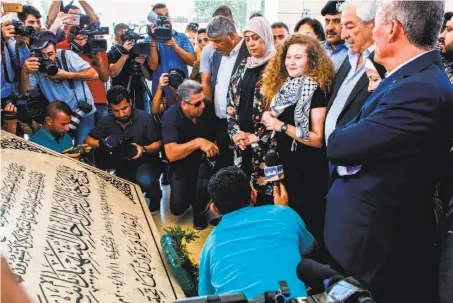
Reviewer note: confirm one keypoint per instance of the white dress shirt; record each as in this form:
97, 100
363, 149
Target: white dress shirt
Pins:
223, 81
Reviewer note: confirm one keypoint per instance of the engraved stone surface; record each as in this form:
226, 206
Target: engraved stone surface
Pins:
73, 233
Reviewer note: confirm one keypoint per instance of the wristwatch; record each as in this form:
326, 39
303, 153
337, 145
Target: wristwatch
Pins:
284, 128
144, 150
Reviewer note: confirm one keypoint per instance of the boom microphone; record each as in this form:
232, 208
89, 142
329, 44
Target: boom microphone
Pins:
152, 17
273, 172
318, 276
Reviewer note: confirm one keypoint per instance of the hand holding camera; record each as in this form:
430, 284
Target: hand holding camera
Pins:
140, 60
9, 114
164, 80
170, 43
76, 151
8, 31
140, 151
31, 65
128, 45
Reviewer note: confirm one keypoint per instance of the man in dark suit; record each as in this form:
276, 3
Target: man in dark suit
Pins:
350, 87
380, 225
230, 50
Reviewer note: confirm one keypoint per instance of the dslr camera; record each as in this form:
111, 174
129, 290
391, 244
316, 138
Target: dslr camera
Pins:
93, 44
46, 66
22, 30
120, 149
140, 47
176, 77
163, 30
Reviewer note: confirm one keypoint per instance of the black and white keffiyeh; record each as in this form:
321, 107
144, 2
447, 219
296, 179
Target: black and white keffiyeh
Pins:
297, 91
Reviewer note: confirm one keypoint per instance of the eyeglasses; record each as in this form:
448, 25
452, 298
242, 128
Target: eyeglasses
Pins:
204, 39
196, 104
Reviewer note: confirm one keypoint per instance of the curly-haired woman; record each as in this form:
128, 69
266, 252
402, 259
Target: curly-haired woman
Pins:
245, 107
297, 82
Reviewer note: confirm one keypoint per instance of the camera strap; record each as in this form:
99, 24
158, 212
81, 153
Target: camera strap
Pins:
70, 81
14, 65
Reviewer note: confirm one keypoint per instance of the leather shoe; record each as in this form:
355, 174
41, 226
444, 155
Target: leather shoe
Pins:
200, 222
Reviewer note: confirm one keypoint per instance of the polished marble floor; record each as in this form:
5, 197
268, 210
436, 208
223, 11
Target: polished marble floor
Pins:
164, 218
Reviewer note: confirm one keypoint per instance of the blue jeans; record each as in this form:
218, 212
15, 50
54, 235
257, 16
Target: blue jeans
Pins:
85, 127
145, 172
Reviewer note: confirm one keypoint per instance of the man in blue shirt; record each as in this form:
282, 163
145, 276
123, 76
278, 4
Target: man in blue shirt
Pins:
252, 248
175, 53
10, 62
335, 46
54, 132
67, 85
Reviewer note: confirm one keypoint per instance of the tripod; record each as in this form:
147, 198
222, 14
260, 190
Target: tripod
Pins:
136, 72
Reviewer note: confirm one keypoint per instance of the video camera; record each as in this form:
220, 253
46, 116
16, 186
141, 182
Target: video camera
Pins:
123, 149
333, 288
93, 44
163, 30
26, 105
140, 48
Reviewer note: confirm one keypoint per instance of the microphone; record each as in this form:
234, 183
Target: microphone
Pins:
152, 17
273, 172
318, 276
110, 143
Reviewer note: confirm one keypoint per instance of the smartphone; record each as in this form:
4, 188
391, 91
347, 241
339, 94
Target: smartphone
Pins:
72, 19
12, 7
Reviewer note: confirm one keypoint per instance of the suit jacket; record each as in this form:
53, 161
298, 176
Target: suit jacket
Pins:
379, 223
356, 98
217, 59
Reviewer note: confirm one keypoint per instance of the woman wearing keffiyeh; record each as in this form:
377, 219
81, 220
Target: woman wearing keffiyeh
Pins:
296, 83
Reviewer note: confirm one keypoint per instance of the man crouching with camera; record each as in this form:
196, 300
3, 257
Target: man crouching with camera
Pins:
54, 131
252, 248
132, 139
61, 75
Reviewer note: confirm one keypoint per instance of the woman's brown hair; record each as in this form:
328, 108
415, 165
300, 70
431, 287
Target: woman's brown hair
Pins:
319, 66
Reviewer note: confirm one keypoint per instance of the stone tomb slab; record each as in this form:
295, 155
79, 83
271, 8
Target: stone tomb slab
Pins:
73, 233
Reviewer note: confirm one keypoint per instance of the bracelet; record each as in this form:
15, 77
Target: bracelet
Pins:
145, 151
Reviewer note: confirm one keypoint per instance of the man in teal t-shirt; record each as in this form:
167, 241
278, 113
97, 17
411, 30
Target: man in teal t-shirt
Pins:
54, 132
252, 248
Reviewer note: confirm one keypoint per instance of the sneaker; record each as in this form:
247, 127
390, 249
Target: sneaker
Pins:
200, 222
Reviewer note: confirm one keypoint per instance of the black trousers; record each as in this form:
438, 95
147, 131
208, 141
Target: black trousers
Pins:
226, 155
189, 186
146, 174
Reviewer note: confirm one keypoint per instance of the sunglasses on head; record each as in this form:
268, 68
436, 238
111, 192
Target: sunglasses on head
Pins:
196, 104
204, 39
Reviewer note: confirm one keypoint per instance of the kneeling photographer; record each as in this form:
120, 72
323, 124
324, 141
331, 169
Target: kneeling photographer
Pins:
61, 75
128, 64
131, 139
54, 132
